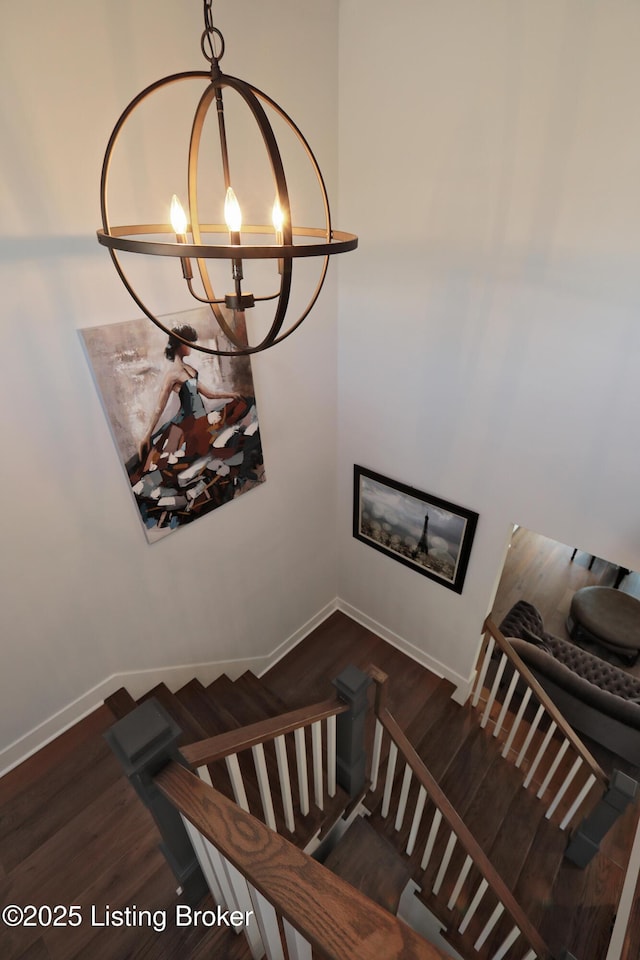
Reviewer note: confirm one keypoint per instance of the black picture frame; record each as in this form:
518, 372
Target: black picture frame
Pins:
428, 534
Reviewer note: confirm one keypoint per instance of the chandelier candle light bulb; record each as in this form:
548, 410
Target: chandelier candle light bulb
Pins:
179, 223
232, 215
277, 217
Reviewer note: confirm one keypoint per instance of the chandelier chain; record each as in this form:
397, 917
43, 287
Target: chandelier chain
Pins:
208, 15
208, 40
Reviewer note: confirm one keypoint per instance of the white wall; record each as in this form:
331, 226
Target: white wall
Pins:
83, 594
489, 326
488, 331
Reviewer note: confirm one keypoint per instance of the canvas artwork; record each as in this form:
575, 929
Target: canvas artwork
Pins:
424, 532
198, 450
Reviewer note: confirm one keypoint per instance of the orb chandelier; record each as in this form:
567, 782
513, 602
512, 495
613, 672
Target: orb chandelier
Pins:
195, 244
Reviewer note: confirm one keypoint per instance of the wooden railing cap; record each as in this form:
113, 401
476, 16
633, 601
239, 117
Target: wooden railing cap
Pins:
233, 741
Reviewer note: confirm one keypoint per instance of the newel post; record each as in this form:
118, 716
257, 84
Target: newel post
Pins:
585, 841
144, 741
351, 759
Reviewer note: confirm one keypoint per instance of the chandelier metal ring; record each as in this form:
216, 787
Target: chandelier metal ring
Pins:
210, 54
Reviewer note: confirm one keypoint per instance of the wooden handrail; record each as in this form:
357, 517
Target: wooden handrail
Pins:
465, 837
546, 701
333, 916
223, 745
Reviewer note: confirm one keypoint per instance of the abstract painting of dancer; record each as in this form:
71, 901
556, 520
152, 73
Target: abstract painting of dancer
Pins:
189, 443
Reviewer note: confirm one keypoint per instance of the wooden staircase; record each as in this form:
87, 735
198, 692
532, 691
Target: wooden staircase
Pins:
525, 848
571, 908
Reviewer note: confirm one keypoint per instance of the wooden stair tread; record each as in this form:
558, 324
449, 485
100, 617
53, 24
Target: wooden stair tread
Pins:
510, 851
465, 775
213, 718
120, 703
370, 863
191, 729
262, 693
233, 697
524, 821
438, 751
431, 711
427, 718
484, 817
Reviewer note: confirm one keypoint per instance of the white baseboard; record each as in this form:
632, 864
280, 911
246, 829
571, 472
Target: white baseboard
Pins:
462, 684
138, 682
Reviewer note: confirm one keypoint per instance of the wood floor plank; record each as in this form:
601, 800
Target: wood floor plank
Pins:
581, 913
50, 757
149, 886
38, 812
37, 951
336, 643
79, 850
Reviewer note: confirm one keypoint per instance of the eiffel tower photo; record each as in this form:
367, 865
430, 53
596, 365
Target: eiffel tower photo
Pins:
423, 545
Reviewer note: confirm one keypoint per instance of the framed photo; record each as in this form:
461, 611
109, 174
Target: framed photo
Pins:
430, 535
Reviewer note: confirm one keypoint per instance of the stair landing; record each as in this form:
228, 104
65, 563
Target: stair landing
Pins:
371, 864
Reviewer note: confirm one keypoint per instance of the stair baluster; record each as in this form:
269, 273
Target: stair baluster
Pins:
559, 739
264, 785
303, 774
285, 782
316, 746
451, 859
293, 797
